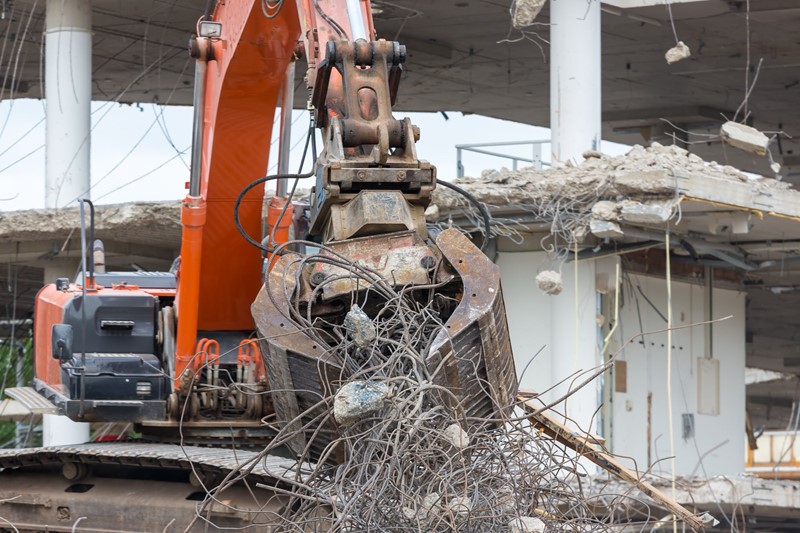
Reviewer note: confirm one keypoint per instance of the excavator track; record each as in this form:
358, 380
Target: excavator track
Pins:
53, 489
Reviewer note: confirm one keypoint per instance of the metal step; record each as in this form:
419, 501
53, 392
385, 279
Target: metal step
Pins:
32, 400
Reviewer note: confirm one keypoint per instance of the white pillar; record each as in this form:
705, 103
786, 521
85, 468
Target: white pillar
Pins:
575, 83
68, 92
61, 431
573, 344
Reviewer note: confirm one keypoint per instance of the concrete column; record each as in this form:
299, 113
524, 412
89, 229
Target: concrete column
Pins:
573, 344
575, 82
68, 92
61, 431
57, 267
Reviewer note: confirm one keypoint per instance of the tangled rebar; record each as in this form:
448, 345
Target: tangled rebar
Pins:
388, 448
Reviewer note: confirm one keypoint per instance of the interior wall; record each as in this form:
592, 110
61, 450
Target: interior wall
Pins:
540, 321
563, 327
717, 446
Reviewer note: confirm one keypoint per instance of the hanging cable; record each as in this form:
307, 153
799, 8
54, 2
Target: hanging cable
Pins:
487, 219
297, 177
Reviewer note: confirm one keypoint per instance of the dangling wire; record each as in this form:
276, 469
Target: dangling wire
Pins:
310, 139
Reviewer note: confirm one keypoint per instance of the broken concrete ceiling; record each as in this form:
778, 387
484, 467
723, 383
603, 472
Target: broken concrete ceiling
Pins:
748, 227
464, 56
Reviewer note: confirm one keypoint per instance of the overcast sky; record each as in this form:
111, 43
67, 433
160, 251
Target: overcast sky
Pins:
138, 151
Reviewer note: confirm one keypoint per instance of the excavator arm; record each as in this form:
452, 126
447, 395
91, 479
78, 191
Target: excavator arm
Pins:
249, 325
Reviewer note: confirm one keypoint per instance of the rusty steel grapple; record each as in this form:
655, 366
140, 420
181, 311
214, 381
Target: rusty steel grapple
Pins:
468, 354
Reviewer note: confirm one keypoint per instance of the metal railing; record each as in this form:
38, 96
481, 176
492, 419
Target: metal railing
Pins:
480, 148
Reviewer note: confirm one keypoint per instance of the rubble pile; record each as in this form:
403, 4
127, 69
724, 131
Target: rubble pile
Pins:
144, 222
642, 172
390, 447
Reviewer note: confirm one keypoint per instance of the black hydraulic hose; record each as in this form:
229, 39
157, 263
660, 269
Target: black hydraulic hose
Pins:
487, 219
247, 189
310, 139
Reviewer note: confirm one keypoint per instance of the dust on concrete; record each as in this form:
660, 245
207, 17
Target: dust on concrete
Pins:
145, 223
641, 173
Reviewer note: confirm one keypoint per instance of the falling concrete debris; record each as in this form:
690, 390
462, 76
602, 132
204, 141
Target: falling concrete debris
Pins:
357, 399
744, 137
677, 53
524, 12
549, 281
359, 326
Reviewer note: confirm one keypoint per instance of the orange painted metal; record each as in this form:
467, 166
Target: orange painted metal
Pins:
207, 354
277, 226
49, 310
193, 219
220, 273
248, 353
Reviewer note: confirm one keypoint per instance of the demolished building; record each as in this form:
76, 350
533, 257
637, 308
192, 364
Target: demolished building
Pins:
661, 258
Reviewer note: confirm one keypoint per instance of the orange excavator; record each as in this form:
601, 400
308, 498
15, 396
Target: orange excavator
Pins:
205, 353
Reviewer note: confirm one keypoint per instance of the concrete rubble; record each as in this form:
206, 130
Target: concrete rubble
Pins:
605, 229
744, 137
549, 281
359, 326
600, 183
456, 436
524, 12
146, 223
526, 524
677, 53
358, 399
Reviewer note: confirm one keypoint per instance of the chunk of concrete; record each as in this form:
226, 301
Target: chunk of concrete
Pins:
359, 326
430, 503
605, 229
744, 137
357, 399
549, 281
526, 524
524, 12
456, 436
459, 505
432, 213
605, 210
677, 53
650, 213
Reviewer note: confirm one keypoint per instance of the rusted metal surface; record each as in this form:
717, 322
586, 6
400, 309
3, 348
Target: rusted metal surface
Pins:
366, 148
373, 212
474, 348
402, 258
296, 363
36, 501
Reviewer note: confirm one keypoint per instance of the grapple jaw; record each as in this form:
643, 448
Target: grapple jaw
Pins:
465, 347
